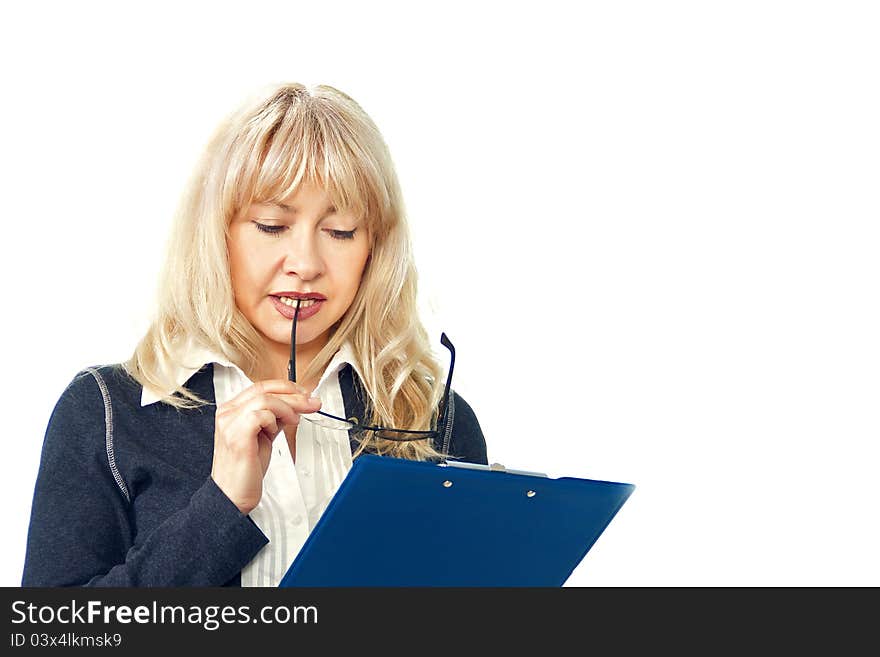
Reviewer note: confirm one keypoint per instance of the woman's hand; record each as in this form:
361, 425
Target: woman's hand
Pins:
244, 428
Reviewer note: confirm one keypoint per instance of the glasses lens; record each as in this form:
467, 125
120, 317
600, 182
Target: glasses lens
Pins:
403, 435
343, 425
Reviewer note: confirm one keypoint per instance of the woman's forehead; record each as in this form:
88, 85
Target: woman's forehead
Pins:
294, 207
295, 197
288, 196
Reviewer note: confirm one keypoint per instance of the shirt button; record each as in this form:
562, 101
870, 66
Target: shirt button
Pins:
306, 472
297, 521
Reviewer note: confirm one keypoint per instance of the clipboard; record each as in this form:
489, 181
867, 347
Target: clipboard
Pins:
397, 522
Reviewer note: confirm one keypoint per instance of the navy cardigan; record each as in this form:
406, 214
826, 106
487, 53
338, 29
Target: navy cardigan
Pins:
124, 496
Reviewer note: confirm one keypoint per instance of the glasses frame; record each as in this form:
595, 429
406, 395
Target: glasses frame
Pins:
355, 423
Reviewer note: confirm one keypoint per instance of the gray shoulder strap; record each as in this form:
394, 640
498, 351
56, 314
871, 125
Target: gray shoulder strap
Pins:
108, 432
450, 420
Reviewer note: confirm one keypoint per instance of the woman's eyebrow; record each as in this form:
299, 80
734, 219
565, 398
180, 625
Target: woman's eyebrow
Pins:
293, 210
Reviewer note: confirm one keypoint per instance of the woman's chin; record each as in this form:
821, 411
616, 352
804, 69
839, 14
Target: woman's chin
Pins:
306, 337
306, 331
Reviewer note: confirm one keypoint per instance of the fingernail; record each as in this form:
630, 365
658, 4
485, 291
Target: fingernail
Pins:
314, 398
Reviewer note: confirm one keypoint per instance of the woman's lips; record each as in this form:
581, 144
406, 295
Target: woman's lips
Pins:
304, 312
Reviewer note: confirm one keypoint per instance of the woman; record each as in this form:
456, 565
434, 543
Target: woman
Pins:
204, 460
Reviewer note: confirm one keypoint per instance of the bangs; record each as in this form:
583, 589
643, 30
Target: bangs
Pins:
313, 143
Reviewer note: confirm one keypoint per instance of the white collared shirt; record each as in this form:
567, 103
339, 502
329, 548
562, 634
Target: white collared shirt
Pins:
294, 495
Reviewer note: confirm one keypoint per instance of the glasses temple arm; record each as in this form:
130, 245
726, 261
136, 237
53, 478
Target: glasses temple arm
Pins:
291, 364
444, 340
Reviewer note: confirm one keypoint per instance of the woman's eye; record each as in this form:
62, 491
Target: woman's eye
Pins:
277, 230
342, 234
271, 230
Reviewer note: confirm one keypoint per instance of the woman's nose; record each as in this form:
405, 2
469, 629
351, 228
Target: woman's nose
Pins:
302, 258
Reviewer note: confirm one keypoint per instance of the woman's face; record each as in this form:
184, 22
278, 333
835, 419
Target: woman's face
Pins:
301, 247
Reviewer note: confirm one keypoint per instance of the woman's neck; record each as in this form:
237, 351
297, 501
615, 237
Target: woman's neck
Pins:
274, 366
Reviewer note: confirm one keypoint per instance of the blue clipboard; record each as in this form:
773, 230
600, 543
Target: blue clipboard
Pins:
396, 522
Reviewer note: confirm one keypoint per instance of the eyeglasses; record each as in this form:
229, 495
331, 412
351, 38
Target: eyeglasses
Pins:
329, 421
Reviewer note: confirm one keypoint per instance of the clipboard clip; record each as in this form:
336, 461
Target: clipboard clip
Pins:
493, 467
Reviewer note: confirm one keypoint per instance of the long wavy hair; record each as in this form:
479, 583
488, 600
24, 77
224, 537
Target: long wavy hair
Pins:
279, 139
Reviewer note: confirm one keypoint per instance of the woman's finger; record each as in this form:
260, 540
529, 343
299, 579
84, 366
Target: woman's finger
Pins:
300, 403
274, 386
286, 410
264, 422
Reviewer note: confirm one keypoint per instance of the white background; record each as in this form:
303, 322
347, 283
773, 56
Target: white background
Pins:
651, 230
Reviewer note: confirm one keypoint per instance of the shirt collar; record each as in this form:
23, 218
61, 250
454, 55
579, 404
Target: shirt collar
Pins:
193, 357
344, 356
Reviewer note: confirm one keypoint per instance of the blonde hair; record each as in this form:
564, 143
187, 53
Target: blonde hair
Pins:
263, 152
